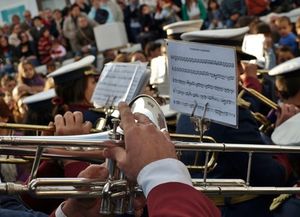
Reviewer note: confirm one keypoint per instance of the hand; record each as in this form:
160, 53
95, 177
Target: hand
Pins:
86, 207
144, 143
285, 112
71, 124
249, 70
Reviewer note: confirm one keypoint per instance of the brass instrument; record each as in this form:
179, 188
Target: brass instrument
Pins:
116, 190
33, 127
266, 125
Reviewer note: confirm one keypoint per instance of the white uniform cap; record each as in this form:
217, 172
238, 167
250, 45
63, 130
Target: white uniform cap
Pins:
236, 34
286, 67
73, 70
39, 97
183, 26
288, 132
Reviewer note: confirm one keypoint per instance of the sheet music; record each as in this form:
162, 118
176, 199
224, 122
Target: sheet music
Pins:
202, 73
119, 82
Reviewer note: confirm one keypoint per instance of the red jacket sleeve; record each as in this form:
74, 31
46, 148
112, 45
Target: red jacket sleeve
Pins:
179, 200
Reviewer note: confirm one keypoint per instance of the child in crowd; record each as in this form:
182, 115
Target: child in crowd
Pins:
28, 80
287, 37
58, 51
214, 16
45, 46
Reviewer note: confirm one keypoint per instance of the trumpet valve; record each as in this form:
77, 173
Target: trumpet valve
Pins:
105, 208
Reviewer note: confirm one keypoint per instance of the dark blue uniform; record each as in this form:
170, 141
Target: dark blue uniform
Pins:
289, 208
265, 170
11, 206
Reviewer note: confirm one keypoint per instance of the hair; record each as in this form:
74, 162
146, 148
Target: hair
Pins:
211, 1
284, 19
260, 28
290, 83
150, 47
74, 6
36, 18
20, 78
68, 93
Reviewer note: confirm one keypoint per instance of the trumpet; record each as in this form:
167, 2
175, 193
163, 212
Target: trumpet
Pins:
117, 190
266, 126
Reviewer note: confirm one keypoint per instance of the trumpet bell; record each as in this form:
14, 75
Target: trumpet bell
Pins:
148, 106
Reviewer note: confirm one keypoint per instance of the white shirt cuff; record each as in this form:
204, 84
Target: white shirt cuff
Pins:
59, 212
163, 171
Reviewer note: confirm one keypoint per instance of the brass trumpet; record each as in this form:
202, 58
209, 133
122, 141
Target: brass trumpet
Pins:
115, 190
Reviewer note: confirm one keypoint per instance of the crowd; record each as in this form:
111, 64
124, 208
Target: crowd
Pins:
55, 36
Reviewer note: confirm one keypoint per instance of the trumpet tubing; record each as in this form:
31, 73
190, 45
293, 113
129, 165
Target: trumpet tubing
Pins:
33, 127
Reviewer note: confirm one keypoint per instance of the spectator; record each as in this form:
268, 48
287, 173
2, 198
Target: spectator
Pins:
50, 22
150, 29
232, 10
269, 50
27, 24
45, 46
214, 15
15, 20
85, 37
115, 13
6, 30
98, 14
7, 56
13, 38
27, 49
58, 51
38, 26
287, 37
138, 56
131, 19
193, 10
257, 7
28, 80
70, 27
84, 7
166, 12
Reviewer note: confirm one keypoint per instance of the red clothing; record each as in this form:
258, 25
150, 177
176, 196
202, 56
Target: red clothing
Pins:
44, 49
256, 7
178, 200
251, 82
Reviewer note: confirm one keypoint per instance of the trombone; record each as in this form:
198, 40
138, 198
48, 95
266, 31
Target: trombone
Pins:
116, 189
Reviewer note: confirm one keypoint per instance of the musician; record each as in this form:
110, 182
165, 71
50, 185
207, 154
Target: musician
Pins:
74, 86
233, 165
39, 108
287, 80
149, 157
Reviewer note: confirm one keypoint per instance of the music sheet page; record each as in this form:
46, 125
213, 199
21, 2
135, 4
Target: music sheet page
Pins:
203, 74
119, 82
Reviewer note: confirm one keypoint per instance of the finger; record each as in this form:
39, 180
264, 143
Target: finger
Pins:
69, 119
94, 171
117, 153
59, 124
87, 126
142, 119
127, 118
78, 117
